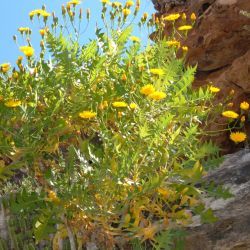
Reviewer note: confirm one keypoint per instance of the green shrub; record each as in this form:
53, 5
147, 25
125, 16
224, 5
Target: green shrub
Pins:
105, 136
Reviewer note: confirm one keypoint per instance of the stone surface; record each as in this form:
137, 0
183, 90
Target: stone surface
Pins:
220, 44
232, 231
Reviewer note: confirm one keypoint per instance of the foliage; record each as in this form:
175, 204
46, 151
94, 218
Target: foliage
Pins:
110, 164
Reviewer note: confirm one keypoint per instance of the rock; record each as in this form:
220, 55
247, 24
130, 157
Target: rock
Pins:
232, 231
220, 45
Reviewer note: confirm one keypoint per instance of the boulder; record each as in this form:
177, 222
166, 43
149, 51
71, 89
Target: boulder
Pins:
232, 230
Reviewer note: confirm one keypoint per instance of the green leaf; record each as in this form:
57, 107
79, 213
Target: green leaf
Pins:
208, 216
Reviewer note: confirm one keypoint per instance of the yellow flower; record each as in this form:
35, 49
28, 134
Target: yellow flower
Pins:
135, 39
183, 17
24, 29
244, 105
214, 89
53, 197
4, 67
230, 104
158, 72
184, 48
157, 95
129, 4
104, 1
126, 12
133, 105
243, 119
87, 114
193, 17
173, 43
230, 114
12, 103
74, 2
39, 12
145, 15
171, 17
42, 32
27, 50
103, 105
124, 77
147, 89
185, 27
119, 114
119, 104
238, 137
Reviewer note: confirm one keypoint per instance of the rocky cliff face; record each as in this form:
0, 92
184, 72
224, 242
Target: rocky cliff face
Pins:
232, 231
219, 44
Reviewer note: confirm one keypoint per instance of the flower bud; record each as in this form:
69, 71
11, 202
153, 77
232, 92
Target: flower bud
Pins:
63, 10
88, 14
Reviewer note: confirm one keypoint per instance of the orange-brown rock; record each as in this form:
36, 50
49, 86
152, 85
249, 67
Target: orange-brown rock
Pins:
220, 45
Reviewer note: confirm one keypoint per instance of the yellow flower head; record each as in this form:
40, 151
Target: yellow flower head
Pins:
238, 137
104, 1
185, 27
126, 12
87, 114
27, 50
4, 67
244, 105
183, 16
129, 4
74, 2
184, 48
135, 39
173, 43
133, 105
124, 77
24, 29
147, 89
243, 119
171, 17
230, 114
193, 17
42, 32
12, 103
119, 104
103, 105
214, 89
158, 72
145, 15
157, 95
53, 197
39, 12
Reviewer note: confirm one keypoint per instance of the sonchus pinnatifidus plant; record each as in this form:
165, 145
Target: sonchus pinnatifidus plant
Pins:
102, 139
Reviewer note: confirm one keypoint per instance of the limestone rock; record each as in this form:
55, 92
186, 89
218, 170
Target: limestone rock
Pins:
232, 231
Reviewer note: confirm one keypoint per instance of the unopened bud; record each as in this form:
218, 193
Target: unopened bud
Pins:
88, 14
231, 92
80, 13
63, 10
42, 44
193, 17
